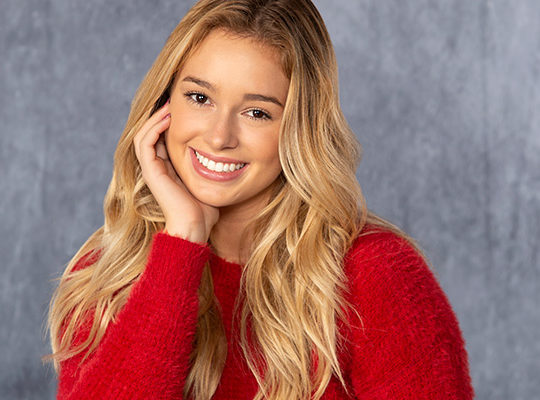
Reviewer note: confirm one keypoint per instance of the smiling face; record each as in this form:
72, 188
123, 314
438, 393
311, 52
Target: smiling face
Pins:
226, 109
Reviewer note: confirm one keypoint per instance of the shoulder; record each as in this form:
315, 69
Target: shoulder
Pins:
389, 279
394, 289
381, 251
405, 326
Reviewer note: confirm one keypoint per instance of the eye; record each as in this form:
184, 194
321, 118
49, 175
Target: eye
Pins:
196, 98
259, 115
200, 99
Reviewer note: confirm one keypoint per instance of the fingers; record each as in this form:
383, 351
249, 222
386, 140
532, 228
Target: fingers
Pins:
145, 140
161, 149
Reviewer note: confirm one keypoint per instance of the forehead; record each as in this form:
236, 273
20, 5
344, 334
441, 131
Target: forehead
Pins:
221, 40
224, 58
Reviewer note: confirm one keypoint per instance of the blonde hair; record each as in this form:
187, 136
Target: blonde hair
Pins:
293, 284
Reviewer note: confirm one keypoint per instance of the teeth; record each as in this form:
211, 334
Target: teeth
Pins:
219, 166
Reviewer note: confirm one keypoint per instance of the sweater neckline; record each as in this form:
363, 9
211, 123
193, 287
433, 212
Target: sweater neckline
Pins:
232, 265
222, 261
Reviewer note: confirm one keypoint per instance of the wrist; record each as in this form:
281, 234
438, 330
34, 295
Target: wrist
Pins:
192, 235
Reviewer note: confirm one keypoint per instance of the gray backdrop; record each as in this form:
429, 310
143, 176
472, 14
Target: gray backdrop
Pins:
443, 95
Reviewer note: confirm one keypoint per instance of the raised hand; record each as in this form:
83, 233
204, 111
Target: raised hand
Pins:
185, 216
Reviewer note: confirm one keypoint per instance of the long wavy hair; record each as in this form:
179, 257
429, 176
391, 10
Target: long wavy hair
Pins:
293, 285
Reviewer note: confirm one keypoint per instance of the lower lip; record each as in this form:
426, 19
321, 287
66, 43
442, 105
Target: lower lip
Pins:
214, 175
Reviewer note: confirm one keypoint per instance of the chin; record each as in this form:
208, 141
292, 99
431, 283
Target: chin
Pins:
214, 199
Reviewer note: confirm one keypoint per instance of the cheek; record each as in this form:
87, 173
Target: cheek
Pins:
181, 129
271, 154
265, 146
176, 137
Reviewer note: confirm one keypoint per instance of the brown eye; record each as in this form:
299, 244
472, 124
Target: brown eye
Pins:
200, 98
196, 98
259, 115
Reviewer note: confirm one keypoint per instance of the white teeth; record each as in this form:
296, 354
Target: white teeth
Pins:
219, 166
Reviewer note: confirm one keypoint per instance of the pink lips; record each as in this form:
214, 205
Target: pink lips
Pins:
214, 175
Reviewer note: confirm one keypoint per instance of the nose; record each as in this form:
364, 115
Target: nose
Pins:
222, 132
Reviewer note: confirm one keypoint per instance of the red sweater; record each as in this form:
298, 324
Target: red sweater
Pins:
411, 346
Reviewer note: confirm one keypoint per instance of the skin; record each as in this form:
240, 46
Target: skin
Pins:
221, 122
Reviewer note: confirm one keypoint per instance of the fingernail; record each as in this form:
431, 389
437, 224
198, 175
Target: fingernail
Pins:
167, 116
168, 101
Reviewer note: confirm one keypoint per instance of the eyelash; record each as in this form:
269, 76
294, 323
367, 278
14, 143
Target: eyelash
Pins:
266, 115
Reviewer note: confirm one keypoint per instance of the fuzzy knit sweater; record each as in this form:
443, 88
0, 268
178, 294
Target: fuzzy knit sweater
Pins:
410, 346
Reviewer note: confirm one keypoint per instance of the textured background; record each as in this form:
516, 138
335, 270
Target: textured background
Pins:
444, 97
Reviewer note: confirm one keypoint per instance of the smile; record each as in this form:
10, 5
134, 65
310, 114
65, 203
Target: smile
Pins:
217, 166
219, 169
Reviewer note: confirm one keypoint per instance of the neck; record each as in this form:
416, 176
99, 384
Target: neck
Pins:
226, 236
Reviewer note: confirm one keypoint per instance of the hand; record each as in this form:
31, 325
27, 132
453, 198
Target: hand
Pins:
185, 216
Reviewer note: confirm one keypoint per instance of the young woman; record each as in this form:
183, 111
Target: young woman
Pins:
238, 259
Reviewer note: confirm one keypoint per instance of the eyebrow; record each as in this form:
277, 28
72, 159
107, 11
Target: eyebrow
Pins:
247, 96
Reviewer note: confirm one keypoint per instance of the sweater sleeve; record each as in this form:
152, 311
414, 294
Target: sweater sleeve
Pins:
410, 345
145, 352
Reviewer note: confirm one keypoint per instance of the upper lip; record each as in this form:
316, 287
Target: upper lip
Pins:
219, 159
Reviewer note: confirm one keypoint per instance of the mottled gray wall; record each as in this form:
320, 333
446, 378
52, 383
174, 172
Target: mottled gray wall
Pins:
444, 97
